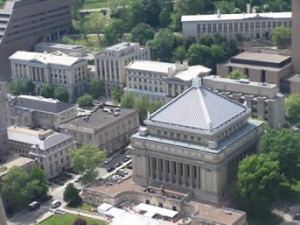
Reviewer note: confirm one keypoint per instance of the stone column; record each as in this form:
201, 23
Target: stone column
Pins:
177, 172
198, 178
165, 171
150, 168
192, 176
184, 177
171, 174
159, 169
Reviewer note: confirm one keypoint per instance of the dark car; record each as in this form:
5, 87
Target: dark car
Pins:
110, 169
297, 216
34, 205
126, 158
118, 164
120, 173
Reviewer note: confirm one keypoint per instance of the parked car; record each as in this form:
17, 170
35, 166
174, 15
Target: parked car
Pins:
77, 178
118, 164
55, 204
108, 160
126, 158
34, 205
110, 169
297, 216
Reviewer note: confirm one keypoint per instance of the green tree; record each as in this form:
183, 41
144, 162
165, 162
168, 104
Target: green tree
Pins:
85, 101
207, 40
198, 54
71, 196
154, 105
127, 100
29, 87
285, 145
97, 88
116, 94
162, 45
152, 9
12, 188
281, 36
114, 31
258, 181
217, 55
236, 75
179, 53
165, 16
191, 7
47, 91
61, 94
137, 13
94, 23
292, 108
85, 159
142, 33
16, 87
141, 104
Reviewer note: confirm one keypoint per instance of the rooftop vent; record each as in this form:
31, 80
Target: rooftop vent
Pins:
244, 81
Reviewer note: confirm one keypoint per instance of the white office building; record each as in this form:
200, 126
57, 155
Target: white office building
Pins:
161, 81
246, 25
110, 64
55, 68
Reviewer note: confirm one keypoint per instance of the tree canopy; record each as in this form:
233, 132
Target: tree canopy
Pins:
236, 75
96, 88
47, 90
281, 36
292, 108
284, 144
85, 159
85, 100
71, 195
258, 181
19, 187
142, 32
162, 45
61, 94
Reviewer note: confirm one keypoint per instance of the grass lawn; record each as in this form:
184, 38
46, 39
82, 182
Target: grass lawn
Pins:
268, 218
94, 4
69, 219
86, 206
92, 43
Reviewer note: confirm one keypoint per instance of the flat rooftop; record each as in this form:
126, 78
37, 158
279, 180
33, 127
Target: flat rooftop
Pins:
261, 57
56, 58
15, 160
162, 67
59, 45
98, 119
44, 139
240, 16
121, 46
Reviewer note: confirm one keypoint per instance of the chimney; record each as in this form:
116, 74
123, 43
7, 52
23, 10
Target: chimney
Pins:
248, 8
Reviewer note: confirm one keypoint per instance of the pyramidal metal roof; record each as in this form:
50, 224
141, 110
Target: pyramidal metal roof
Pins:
198, 108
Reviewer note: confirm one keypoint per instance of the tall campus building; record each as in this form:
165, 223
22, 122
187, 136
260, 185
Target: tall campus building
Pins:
4, 116
296, 36
23, 23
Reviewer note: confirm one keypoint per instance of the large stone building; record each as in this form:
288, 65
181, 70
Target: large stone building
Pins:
108, 128
195, 142
54, 68
263, 99
4, 121
26, 22
246, 25
258, 66
49, 149
36, 111
159, 80
110, 64
296, 36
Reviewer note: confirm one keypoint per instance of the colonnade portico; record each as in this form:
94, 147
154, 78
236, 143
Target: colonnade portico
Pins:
173, 172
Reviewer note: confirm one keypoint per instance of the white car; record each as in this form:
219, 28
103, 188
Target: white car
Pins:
77, 178
55, 204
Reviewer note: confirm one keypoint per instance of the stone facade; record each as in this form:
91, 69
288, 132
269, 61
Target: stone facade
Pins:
2, 214
49, 149
182, 144
36, 111
4, 120
264, 100
110, 64
246, 25
53, 68
161, 81
296, 36
27, 22
108, 128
